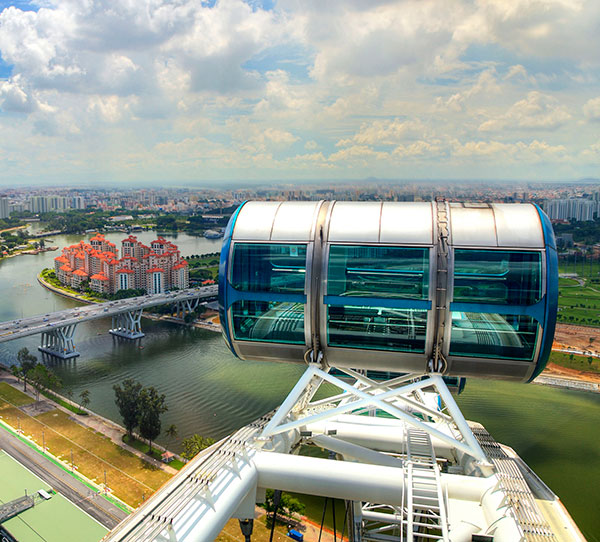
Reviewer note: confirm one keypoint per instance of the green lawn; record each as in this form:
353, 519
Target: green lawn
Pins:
14, 396
156, 454
562, 282
579, 305
573, 361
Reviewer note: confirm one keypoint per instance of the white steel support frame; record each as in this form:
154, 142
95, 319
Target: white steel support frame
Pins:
58, 342
128, 324
401, 397
390, 477
297, 412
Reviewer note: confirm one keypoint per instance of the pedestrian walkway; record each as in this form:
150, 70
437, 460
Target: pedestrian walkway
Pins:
96, 422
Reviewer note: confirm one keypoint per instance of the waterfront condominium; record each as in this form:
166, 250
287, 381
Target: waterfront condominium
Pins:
155, 269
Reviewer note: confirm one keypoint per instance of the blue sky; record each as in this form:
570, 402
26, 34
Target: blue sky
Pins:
189, 91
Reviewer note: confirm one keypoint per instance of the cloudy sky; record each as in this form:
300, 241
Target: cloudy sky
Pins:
187, 90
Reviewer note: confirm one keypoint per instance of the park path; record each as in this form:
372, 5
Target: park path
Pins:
95, 422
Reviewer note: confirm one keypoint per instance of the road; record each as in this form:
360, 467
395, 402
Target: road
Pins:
79, 494
16, 329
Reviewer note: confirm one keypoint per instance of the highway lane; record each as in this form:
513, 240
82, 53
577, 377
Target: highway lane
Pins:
79, 494
23, 327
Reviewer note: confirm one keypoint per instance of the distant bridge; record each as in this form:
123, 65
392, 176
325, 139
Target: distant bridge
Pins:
57, 328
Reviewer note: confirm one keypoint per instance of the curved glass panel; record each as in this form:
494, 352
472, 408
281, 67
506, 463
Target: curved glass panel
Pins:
268, 321
490, 335
378, 271
497, 276
262, 267
377, 328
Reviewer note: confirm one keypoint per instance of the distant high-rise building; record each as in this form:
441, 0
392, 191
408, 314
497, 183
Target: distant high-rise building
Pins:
77, 202
571, 209
4, 208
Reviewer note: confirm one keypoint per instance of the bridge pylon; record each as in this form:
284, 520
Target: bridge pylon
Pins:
58, 342
128, 324
186, 306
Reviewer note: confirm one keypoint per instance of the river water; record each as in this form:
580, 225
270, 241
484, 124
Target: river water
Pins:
211, 393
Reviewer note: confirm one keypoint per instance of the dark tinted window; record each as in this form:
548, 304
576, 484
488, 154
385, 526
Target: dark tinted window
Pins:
268, 321
261, 267
497, 277
493, 335
377, 328
391, 272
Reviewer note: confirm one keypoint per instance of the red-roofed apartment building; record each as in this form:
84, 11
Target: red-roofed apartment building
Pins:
155, 269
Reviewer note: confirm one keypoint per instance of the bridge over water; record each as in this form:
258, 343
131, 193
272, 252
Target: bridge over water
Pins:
58, 328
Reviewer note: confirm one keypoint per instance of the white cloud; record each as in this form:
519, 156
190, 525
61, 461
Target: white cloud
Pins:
591, 109
235, 90
13, 98
537, 111
384, 132
498, 151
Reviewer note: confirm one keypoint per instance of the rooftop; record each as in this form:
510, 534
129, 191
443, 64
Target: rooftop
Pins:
53, 520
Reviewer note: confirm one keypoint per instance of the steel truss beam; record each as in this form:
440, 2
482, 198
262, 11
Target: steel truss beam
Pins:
366, 393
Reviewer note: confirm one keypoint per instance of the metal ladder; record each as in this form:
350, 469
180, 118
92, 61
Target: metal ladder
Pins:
426, 509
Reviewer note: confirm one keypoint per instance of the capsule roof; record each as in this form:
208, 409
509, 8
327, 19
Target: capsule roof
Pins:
472, 224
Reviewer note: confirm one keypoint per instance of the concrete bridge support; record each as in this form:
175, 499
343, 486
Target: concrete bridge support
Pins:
58, 342
185, 307
128, 324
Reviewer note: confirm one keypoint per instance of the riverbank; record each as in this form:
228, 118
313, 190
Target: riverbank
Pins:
64, 293
208, 323
87, 446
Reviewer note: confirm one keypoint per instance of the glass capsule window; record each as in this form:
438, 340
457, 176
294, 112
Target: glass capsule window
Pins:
497, 277
376, 271
262, 267
491, 335
268, 321
377, 328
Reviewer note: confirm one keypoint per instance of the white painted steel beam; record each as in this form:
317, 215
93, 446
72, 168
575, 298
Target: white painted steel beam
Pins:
353, 481
353, 451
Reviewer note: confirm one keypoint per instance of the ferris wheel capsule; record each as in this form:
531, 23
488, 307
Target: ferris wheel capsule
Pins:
465, 289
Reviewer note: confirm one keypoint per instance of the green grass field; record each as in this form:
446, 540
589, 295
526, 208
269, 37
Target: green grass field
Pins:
14, 396
156, 454
573, 361
579, 305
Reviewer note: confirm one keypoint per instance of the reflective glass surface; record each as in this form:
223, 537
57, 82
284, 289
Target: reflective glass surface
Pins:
377, 328
365, 271
493, 335
497, 277
261, 267
268, 321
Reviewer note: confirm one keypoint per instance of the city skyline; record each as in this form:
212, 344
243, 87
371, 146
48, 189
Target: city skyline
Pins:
259, 91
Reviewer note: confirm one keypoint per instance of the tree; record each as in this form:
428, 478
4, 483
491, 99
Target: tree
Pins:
128, 402
151, 406
590, 360
42, 378
27, 362
16, 371
84, 399
193, 445
171, 432
288, 505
